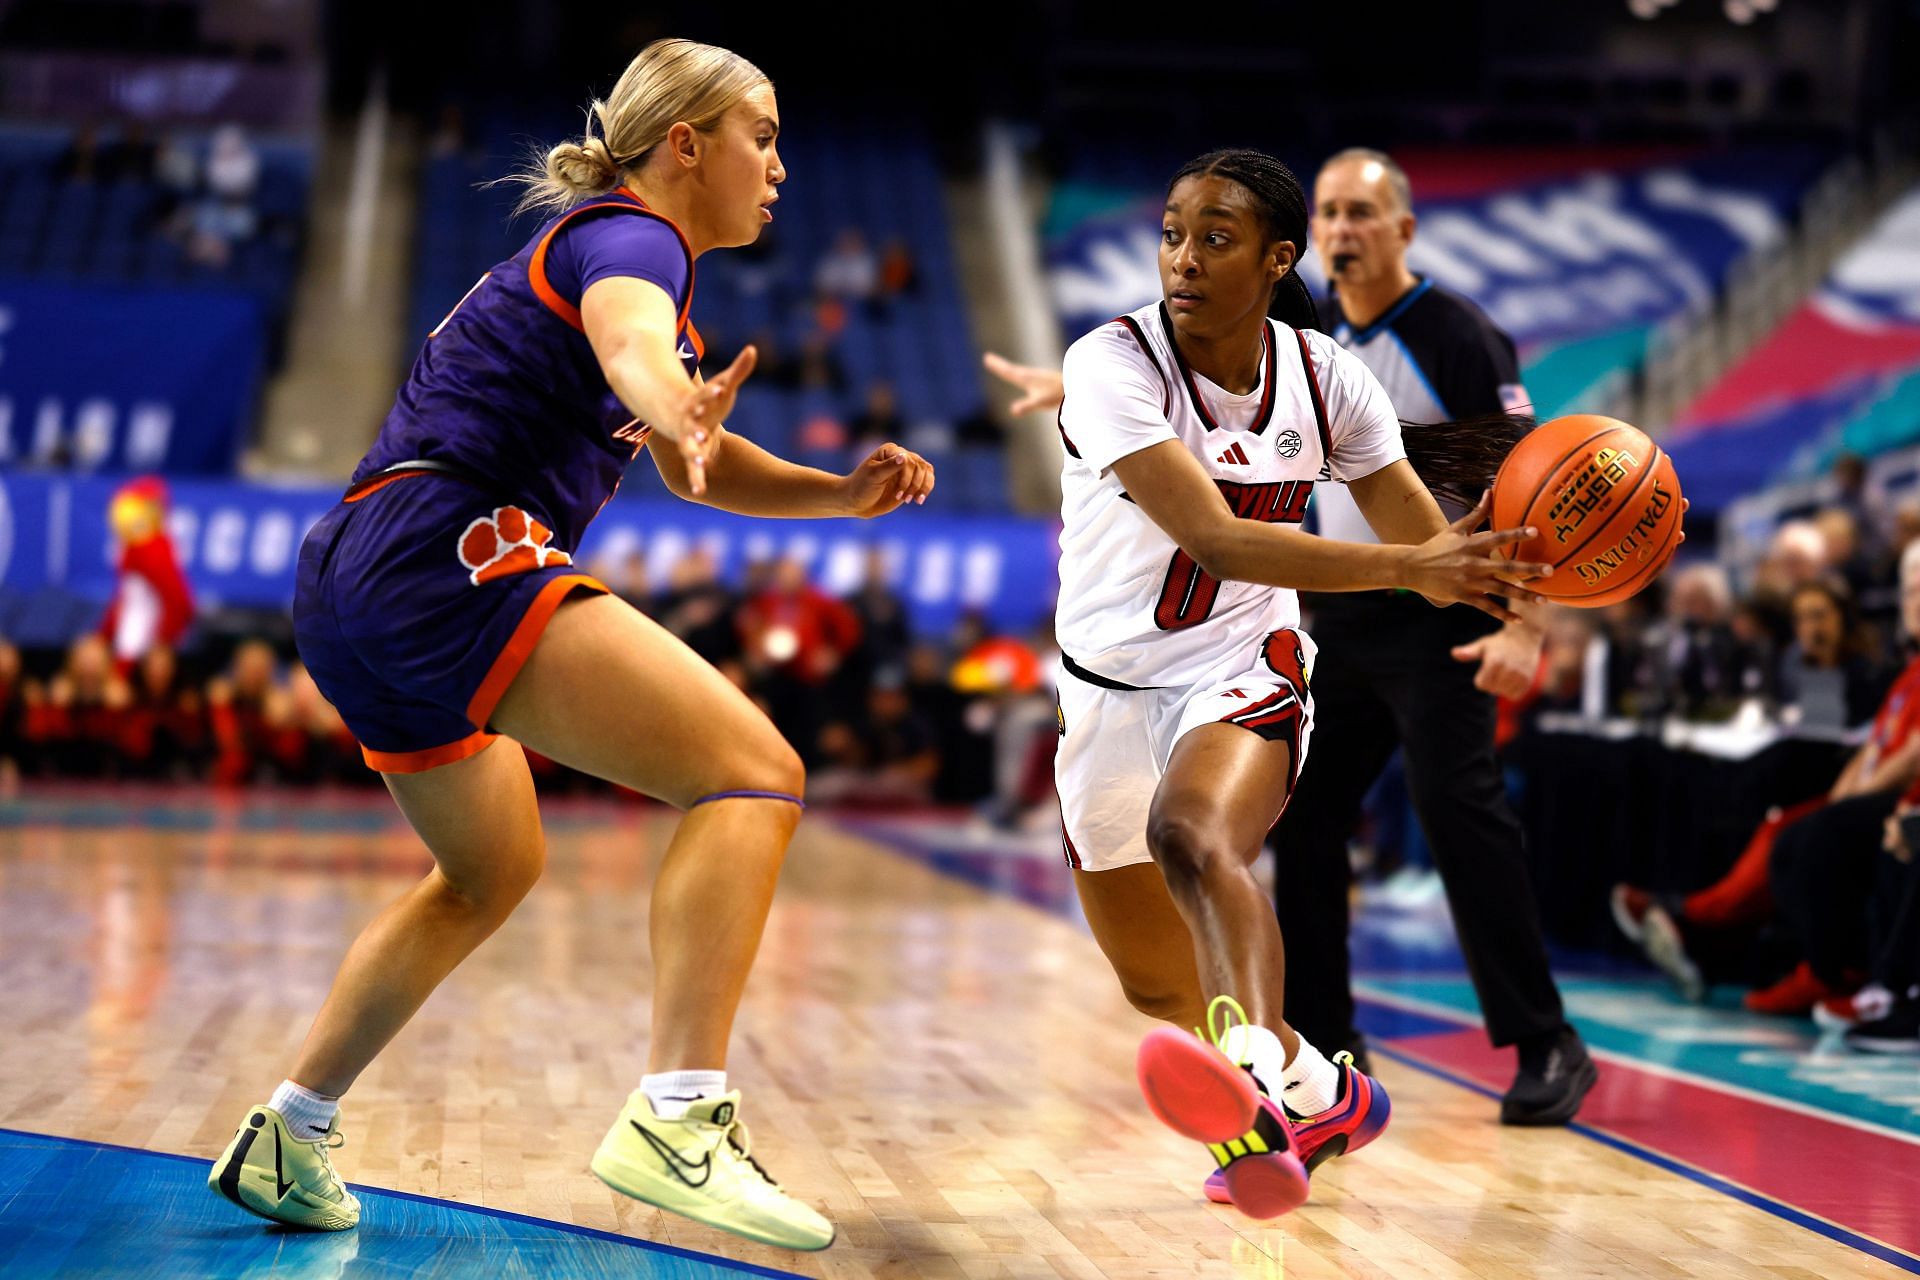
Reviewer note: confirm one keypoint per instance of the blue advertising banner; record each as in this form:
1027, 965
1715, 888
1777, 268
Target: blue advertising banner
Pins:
127, 379
1550, 261
237, 541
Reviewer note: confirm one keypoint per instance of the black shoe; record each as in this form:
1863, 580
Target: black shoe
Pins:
1555, 1074
1898, 1032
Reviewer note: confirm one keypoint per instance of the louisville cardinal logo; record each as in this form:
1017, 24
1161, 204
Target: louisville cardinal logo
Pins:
1288, 658
505, 543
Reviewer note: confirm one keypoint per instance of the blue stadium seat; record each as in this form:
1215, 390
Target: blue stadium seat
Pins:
881, 178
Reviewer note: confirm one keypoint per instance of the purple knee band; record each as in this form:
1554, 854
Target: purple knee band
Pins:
750, 795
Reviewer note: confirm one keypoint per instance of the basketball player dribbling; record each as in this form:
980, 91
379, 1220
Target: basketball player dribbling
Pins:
438, 609
1195, 430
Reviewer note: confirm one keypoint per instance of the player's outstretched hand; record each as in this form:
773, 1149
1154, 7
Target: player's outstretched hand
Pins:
889, 478
1039, 388
696, 425
1508, 660
1457, 565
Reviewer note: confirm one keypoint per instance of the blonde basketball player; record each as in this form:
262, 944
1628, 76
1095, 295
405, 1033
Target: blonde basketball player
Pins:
439, 610
1195, 431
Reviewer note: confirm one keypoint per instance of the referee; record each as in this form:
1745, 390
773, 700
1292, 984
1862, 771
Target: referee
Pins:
1393, 671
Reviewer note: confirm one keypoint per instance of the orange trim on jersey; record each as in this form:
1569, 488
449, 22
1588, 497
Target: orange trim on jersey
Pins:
519, 646
432, 758
537, 265
367, 488
699, 344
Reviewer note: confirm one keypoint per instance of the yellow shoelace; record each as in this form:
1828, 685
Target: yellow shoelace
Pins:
1226, 1009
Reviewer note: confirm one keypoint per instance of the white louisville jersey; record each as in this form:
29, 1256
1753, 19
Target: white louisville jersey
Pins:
1134, 608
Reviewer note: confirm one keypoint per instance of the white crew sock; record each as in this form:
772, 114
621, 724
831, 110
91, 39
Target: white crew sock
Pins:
1260, 1050
669, 1092
308, 1114
1312, 1084
1308, 1085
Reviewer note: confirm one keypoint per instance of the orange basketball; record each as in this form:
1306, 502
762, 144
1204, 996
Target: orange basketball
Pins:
1605, 500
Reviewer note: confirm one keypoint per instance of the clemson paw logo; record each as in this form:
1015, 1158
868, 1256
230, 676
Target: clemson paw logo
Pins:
505, 543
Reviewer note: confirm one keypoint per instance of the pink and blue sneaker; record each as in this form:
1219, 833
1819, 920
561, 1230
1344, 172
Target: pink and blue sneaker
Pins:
1358, 1118
1200, 1093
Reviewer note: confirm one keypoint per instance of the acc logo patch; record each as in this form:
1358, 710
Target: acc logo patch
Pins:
1288, 444
505, 543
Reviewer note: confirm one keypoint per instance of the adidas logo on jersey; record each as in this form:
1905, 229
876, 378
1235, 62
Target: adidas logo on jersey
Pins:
1236, 456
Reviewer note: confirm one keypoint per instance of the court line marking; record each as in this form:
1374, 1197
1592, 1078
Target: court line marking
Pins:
917, 849
1725, 1186
570, 1228
1446, 1013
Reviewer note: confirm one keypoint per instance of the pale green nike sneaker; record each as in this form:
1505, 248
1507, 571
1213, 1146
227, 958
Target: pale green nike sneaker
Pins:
266, 1170
702, 1167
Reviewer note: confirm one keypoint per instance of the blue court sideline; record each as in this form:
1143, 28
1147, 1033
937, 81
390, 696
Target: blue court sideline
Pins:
71, 1208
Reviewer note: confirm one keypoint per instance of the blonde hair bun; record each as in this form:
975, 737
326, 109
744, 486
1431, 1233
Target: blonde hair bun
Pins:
669, 82
584, 168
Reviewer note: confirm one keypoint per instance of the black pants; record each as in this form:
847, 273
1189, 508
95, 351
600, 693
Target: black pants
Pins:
1385, 677
1835, 891
1896, 965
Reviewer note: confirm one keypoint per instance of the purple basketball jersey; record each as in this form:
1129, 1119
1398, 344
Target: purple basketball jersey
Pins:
508, 389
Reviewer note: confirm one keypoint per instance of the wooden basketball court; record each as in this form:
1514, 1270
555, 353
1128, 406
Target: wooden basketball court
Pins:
946, 1070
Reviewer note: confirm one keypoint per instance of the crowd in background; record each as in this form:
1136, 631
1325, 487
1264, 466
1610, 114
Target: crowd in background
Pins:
815, 304
1813, 641
205, 199
881, 714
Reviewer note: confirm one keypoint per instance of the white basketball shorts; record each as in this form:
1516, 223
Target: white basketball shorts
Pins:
1115, 742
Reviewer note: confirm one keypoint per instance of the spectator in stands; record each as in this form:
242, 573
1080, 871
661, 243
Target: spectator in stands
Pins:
1618, 679
697, 607
820, 430
251, 717
318, 745
167, 733
774, 367
1828, 677
885, 635
1856, 911
1906, 524
890, 756
177, 169
849, 272
899, 273
1850, 817
794, 637
1884, 1015
1697, 665
1797, 554
943, 707
762, 275
1847, 556
1010, 681
225, 216
631, 584
820, 367
82, 724
879, 419
13, 715
1849, 474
